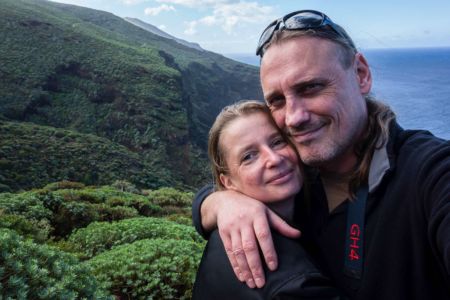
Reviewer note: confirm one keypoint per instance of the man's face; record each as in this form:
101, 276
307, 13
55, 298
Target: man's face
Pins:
317, 100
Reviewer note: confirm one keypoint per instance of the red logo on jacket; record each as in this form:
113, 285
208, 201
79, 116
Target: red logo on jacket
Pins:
354, 242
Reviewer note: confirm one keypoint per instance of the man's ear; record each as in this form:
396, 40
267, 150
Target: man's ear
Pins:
227, 182
363, 73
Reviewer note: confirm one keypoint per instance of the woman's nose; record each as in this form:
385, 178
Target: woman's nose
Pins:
273, 158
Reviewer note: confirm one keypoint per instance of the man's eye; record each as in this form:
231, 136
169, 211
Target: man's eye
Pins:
275, 102
311, 88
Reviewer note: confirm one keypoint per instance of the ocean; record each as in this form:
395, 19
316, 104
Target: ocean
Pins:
414, 82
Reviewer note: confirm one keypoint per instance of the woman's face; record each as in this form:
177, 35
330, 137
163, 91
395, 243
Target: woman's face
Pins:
260, 162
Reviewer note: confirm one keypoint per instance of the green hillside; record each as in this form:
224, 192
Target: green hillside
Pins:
35, 155
87, 96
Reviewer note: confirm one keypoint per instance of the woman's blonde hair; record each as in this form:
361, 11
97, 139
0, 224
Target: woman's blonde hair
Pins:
228, 114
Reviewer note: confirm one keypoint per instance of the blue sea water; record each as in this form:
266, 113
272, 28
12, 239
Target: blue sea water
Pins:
414, 82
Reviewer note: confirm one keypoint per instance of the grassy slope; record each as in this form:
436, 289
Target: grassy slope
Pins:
33, 155
94, 73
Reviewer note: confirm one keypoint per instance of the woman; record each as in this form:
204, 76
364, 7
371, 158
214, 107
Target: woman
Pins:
250, 155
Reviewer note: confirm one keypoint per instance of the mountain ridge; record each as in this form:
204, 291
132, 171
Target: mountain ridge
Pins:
153, 29
91, 72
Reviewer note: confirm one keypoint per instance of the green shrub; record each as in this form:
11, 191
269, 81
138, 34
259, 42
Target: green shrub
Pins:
72, 215
66, 214
37, 230
27, 204
115, 213
33, 271
112, 197
67, 247
171, 197
68, 209
78, 208
125, 186
101, 236
149, 269
141, 204
180, 219
84, 195
65, 184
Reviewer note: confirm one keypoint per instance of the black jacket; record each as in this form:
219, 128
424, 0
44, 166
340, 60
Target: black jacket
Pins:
296, 277
407, 231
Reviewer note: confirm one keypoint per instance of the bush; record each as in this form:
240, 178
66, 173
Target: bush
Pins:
171, 197
65, 184
83, 195
27, 204
78, 208
32, 271
101, 236
112, 197
68, 209
149, 269
180, 219
37, 230
108, 213
141, 204
72, 215
66, 215
125, 186
67, 247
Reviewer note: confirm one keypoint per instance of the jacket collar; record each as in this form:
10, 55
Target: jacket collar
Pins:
383, 159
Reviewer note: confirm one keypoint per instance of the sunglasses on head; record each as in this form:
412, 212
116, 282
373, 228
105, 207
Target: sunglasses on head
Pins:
299, 20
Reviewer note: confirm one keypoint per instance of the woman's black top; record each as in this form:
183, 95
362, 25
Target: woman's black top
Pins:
296, 276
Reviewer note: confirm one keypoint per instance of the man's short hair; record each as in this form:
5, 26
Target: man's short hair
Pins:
346, 50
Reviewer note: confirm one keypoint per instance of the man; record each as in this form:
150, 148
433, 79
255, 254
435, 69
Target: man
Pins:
378, 221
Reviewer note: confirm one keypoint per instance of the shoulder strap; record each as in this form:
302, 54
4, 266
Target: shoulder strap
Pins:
354, 244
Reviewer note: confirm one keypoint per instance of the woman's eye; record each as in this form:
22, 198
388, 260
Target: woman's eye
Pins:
278, 142
247, 157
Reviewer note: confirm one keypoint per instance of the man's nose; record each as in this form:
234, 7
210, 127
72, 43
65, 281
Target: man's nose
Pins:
296, 112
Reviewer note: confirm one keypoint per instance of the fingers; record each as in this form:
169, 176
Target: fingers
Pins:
243, 252
262, 231
281, 226
241, 259
226, 239
252, 257
243, 224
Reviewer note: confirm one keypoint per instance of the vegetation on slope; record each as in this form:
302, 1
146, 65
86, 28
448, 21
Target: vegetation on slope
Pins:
91, 72
33, 155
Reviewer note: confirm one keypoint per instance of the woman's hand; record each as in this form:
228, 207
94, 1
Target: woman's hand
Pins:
244, 223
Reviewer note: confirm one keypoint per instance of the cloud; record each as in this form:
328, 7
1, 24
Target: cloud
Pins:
153, 11
191, 28
162, 27
229, 14
208, 20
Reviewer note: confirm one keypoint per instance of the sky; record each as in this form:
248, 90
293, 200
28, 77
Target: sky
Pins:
234, 26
